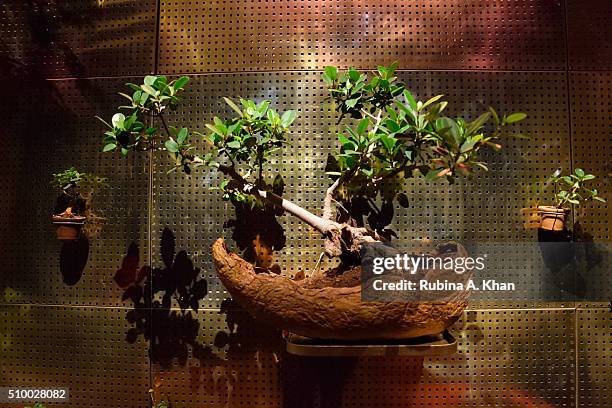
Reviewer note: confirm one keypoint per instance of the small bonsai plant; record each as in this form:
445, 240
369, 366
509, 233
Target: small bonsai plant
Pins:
569, 189
389, 138
73, 205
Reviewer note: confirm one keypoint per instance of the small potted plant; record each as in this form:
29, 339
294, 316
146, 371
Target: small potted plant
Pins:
73, 206
569, 189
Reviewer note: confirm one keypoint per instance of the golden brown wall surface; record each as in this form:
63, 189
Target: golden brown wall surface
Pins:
63, 62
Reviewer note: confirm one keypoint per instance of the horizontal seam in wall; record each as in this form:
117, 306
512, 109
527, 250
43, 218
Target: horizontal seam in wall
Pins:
212, 309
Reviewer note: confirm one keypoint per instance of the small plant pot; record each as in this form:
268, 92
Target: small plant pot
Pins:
68, 229
552, 218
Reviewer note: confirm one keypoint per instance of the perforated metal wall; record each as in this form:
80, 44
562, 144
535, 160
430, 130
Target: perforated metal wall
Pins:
62, 64
202, 36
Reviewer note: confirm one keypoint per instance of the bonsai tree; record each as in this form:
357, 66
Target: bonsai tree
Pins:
74, 203
385, 136
569, 189
389, 138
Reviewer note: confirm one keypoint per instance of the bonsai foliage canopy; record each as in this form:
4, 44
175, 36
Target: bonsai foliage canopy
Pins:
388, 136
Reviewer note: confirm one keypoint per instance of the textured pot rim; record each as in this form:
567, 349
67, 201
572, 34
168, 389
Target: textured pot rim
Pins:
69, 222
549, 209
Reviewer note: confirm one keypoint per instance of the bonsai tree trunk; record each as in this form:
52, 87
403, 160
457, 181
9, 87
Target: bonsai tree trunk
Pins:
341, 239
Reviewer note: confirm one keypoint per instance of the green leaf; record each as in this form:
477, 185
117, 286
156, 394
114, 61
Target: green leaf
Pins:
467, 146
353, 74
124, 151
148, 89
600, 199
132, 86
233, 106
363, 125
288, 118
234, 144
430, 101
495, 115
118, 120
449, 130
143, 98
410, 99
127, 124
382, 71
352, 102
579, 172
393, 67
182, 135
126, 96
477, 124
109, 147
343, 139
388, 141
150, 80
181, 82
588, 177
263, 107
171, 146
331, 72
214, 129
273, 117
516, 117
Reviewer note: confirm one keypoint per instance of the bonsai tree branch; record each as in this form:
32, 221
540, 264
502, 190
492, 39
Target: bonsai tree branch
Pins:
328, 211
320, 224
340, 238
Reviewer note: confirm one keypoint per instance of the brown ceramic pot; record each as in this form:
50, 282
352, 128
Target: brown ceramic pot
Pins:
552, 218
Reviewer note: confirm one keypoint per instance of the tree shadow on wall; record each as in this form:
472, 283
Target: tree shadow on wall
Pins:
257, 232
171, 331
246, 351
42, 41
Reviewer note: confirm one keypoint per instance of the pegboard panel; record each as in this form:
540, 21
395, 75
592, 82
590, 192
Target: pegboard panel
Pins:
484, 208
591, 104
81, 348
589, 27
66, 39
227, 36
52, 128
506, 358
594, 328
